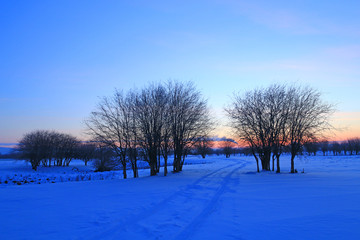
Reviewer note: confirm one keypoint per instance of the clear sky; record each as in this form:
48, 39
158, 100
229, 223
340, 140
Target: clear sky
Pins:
57, 57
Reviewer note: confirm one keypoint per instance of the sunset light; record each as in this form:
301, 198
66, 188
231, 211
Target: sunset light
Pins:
59, 57
180, 119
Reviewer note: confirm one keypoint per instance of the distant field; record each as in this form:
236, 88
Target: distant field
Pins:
5, 150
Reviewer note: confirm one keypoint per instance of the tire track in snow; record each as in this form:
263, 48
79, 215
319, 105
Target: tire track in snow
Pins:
133, 222
189, 208
207, 210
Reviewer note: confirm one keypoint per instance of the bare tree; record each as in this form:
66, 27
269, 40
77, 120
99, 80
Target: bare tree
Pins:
104, 158
356, 144
344, 147
86, 152
336, 148
228, 148
130, 131
33, 147
47, 146
244, 120
166, 142
150, 110
259, 119
190, 120
66, 151
268, 119
109, 124
311, 147
203, 146
324, 147
157, 119
275, 99
308, 118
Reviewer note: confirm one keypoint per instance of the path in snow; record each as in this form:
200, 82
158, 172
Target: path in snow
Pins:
179, 214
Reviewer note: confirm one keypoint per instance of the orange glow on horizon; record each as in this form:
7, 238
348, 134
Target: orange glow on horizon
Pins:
346, 124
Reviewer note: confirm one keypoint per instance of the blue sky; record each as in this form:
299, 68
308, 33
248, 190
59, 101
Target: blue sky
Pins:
58, 57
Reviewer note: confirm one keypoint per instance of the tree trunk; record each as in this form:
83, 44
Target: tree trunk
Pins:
177, 160
135, 170
158, 161
174, 163
257, 162
265, 161
292, 163
165, 166
153, 170
182, 160
124, 170
153, 162
177, 163
278, 163
34, 164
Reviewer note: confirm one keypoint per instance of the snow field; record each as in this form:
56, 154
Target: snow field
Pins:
225, 199
19, 172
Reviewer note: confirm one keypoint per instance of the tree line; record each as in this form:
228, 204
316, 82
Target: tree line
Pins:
172, 118
348, 147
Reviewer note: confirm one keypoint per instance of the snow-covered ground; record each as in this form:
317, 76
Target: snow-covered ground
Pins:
5, 149
224, 199
19, 172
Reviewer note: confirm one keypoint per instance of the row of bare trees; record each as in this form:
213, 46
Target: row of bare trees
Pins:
173, 117
269, 119
151, 122
348, 147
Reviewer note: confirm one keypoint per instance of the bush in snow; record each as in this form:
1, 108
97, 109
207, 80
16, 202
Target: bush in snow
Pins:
86, 152
104, 160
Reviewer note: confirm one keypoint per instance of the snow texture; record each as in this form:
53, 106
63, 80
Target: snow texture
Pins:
5, 150
224, 199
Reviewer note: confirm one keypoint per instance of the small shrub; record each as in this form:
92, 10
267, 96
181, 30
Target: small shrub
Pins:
104, 160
